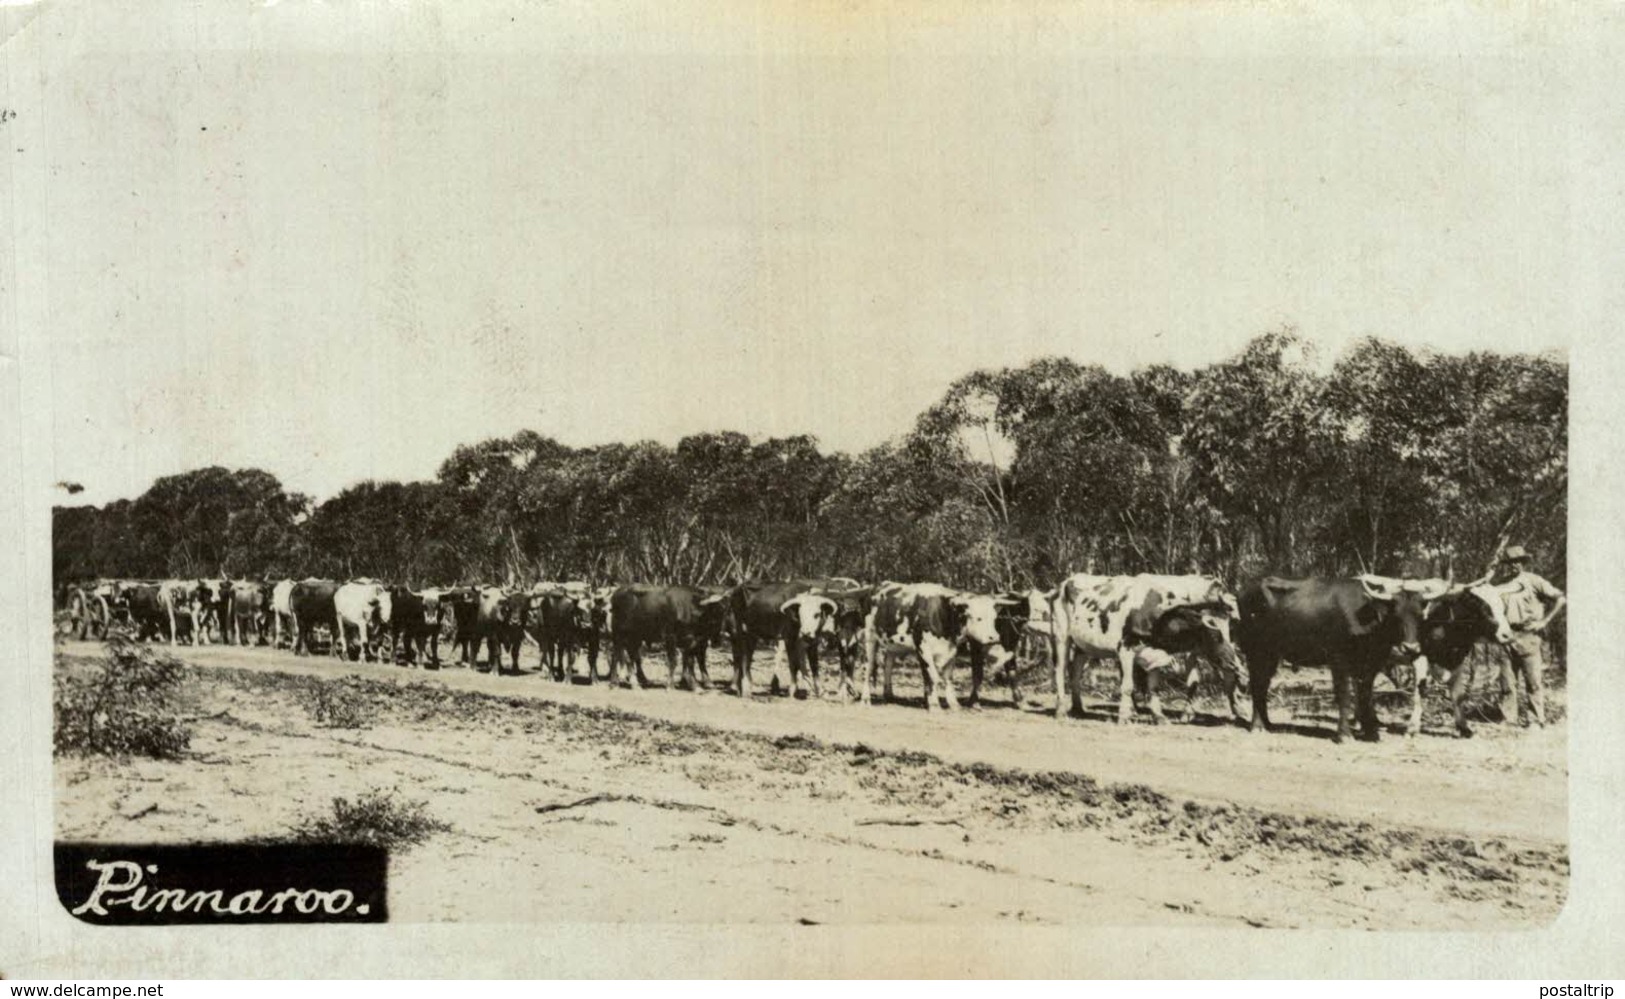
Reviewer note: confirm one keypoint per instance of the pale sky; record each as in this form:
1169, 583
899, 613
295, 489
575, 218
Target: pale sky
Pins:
334, 242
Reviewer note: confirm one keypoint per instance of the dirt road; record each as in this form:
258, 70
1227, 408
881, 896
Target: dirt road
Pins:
700, 808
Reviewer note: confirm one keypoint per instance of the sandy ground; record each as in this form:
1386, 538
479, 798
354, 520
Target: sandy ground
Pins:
707, 809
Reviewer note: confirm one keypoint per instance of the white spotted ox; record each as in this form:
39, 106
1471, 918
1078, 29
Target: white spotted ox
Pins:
1100, 617
933, 622
1456, 617
363, 606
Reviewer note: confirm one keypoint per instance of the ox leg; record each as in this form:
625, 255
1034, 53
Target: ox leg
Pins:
849, 680
1062, 649
931, 682
1370, 730
742, 652
1459, 682
879, 659
1260, 672
977, 666
1232, 684
1341, 682
870, 664
172, 630
781, 660
671, 664
592, 656
795, 655
702, 655
810, 661
946, 672
1153, 696
1125, 686
1413, 724
695, 670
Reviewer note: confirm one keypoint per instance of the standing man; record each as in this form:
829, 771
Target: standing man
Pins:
1531, 603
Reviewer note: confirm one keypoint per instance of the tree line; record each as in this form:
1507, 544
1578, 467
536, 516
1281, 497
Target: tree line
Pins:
1391, 460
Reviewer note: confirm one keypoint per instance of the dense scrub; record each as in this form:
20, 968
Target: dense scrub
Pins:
375, 818
127, 703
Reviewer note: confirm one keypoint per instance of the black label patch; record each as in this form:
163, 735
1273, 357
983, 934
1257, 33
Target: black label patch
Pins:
222, 883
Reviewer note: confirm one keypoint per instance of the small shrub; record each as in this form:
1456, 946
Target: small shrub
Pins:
376, 818
348, 702
126, 704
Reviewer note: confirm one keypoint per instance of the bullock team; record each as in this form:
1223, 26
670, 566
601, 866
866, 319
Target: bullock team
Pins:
1148, 624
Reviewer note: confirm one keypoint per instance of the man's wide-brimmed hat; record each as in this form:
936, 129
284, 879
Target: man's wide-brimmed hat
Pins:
1515, 553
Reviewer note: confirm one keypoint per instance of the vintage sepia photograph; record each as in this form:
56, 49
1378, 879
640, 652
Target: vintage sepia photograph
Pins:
790, 467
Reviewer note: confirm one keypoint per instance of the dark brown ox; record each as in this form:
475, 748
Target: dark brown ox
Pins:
1356, 627
684, 619
566, 619
310, 604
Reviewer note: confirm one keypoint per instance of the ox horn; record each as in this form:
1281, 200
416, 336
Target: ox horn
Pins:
1373, 592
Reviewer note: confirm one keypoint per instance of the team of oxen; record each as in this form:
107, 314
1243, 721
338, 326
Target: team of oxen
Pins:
1159, 629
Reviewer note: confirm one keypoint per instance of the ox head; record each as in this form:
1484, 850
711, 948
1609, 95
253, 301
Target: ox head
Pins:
207, 592
584, 609
851, 612
813, 614
409, 603
1467, 614
381, 606
1040, 604
713, 615
1486, 605
978, 615
1202, 629
1406, 601
513, 608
